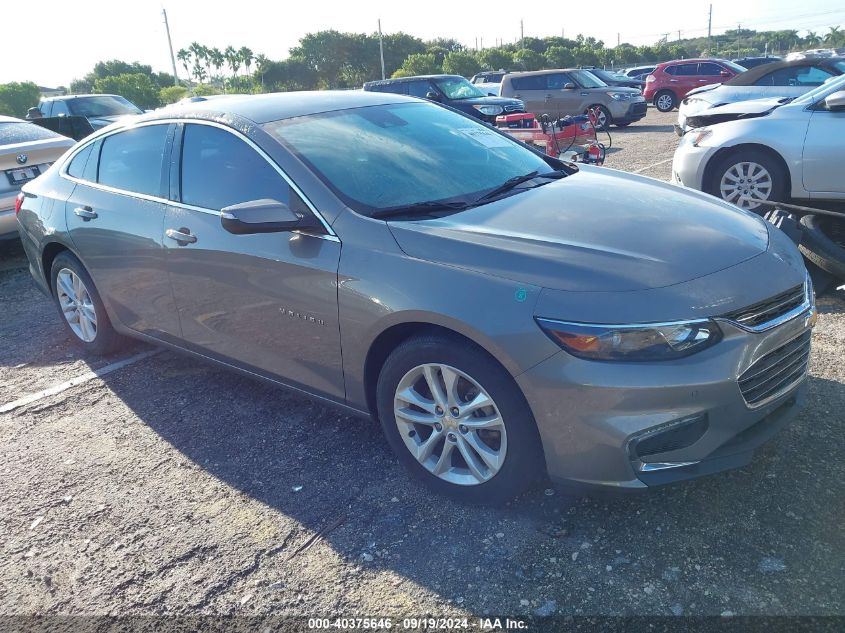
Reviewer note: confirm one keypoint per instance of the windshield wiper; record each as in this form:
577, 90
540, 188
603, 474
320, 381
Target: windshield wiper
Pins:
514, 182
428, 207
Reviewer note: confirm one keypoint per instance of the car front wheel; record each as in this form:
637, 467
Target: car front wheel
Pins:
457, 420
747, 178
80, 305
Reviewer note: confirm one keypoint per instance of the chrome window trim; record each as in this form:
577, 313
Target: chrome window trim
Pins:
330, 235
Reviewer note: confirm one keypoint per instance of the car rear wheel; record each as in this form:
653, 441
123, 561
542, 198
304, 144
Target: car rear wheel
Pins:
665, 101
457, 420
80, 305
747, 177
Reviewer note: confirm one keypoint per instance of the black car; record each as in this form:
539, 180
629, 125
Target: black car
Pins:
99, 109
753, 62
488, 77
617, 80
451, 90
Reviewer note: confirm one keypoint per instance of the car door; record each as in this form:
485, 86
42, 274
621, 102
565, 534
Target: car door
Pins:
561, 100
711, 73
267, 301
532, 90
823, 159
115, 215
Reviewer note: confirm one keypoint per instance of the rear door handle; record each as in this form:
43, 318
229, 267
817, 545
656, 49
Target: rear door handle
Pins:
182, 236
86, 213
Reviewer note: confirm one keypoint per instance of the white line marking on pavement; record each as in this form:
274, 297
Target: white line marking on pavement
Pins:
64, 386
662, 162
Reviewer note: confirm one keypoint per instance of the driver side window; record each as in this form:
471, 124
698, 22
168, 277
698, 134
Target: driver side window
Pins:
219, 170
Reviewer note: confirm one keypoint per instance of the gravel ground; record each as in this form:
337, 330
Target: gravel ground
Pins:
170, 486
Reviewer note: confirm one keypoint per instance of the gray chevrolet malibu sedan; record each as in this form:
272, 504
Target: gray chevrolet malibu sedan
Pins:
501, 313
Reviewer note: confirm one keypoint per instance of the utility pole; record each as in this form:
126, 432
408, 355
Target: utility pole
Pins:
481, 41
170, 47
679, 35
709, 24
618, 38
521, 32
381, 48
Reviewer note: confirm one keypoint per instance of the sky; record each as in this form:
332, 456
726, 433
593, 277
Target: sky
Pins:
52, 42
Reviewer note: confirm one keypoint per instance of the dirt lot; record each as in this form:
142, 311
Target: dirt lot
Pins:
169, 486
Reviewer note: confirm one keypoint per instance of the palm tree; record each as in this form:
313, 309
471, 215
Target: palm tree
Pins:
200, 58
217, 59
833, 37
262, 62
233, 59
246, 57
184, 56
811, 39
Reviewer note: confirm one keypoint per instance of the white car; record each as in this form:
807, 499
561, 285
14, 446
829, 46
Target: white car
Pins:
777, 79
768, 149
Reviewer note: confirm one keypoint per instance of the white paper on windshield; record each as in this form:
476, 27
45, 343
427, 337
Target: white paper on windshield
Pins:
488, 138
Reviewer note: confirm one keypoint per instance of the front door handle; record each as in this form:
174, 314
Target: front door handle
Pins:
86, 213
182, 236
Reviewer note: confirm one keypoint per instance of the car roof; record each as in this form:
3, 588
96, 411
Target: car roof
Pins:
264, 108
384, 82
696, 60
69, 97
750, 76
545, 71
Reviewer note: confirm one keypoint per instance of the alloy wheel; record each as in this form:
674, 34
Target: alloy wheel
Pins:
745, 182
76, 305
450, 424
664, 102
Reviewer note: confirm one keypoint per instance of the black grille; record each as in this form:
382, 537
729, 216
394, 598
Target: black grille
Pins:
768, 310
678, 435
639, 108
776, 371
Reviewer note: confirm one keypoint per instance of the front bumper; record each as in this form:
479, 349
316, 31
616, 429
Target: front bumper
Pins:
593, 416
627, 111
689, 164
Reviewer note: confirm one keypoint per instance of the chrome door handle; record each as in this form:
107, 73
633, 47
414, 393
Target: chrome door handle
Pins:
183, 236
86, 213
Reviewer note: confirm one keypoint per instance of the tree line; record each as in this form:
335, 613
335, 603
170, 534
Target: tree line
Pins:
334, 60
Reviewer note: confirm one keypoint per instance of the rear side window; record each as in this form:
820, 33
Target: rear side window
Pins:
131, 160
12, 133
683, 70
77, 164
219, 169
531, 82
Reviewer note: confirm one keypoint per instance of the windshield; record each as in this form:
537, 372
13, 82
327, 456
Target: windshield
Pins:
586, 79
106, 105
12, 133
604, 75
457, 88
815, 93
386, 156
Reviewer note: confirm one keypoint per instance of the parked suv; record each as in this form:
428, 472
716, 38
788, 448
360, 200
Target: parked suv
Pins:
100, 110
574, 91
451, 90
671, 81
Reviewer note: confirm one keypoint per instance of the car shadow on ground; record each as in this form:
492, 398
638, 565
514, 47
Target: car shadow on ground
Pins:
324, 469
637, 128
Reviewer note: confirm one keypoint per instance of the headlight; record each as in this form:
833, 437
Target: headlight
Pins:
695, 137
619, 96
646, 342
489, 110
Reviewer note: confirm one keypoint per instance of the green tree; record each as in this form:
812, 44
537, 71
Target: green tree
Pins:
418, 64
527, 59
233, 59
586, 56
136, 87
626, 54
184, 56
18, 97
559, 57
81, 86
451, 45
246, 56
172, 94
495, 59
205, 90
216, 59
291, 74
460, 63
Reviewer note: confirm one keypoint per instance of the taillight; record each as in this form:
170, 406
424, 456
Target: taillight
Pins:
650, 78
19, 202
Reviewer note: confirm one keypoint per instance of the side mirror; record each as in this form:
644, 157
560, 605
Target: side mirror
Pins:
725, 73
433, 96
569, 86
260, 216
835, 102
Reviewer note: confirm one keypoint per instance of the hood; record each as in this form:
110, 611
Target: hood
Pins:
700, 89
738, 110
98, 122
596, 230
633, 91
500, 101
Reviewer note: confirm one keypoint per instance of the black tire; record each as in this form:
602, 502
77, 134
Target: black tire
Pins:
106, 340
779, 176
622, 124
665, 105
823, 243
608, 117
524, 461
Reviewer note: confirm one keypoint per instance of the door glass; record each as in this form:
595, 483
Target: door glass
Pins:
131, 160
683, 70
77, 165
557, 81
60, 108
418, 88
219, 169
709, 69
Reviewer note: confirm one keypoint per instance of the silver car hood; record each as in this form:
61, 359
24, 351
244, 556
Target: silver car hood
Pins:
732, 111
597, 230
